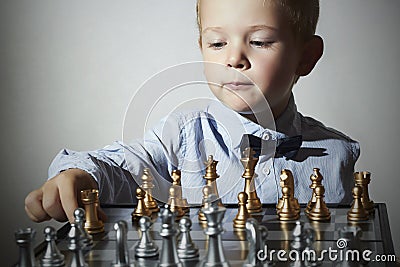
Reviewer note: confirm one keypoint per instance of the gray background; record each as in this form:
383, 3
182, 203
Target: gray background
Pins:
69, 68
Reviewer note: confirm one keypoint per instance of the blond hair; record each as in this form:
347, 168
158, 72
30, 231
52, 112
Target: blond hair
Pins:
302, 14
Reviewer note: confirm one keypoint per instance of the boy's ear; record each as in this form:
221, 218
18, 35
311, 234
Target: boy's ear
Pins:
312, 52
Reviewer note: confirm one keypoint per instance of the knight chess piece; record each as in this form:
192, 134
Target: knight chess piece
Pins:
286, 179
316, 180
249, 163
239, 222
186, 247
145, 247
357, 211
319, 211
182, 202
173, 202
87, 239
24, 239
211, 177
141, 209
363, 179
122, 258
90, 199
147, 186
288, 211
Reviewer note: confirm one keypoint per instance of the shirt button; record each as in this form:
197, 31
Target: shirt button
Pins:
267, 171
266, 136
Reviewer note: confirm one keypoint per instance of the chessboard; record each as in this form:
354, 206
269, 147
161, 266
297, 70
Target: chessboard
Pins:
376, 236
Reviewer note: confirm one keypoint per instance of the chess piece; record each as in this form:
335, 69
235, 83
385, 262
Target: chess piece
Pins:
145, 247
186, 248
87, 240
214, 213
319, 211
76, 247
122, 258
363, 179
173, 202
286, 179
211, 177
147, 186
357, 211
287, 212
90, 199
24, 239
350, 240
141, 209
241, 217
168, 256
256, 243
316, 180
206, 192
52, 257
249, 163
182, 202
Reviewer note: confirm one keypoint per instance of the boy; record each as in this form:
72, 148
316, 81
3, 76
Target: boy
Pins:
271, 42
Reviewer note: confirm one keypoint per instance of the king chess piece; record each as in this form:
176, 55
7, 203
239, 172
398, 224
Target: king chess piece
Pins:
249, 163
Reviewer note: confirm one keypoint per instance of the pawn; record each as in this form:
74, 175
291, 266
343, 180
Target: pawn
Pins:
173, 202
176, 177
87, 239
243, 214
148, 186
206, 192
357, 211
288, 211
319, 211
145, 248
52, 257
76, 247
186, 248
141, 209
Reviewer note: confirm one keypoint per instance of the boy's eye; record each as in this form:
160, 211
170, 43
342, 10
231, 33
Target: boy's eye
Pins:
217, 45
262, 44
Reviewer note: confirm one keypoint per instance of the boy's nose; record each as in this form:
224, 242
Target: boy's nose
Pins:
237, 60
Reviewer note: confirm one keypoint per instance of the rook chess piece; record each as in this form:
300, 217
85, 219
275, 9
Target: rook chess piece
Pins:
241, 217
76, 247
357, 211
122, 258
148, 186
287, 212
186, 248
316, 180
211, 177
249, 163
141, 209
319, 211
52, 257
87, 240
90, 199
173, 202
182, 202
24, 239
145, 247
363, 179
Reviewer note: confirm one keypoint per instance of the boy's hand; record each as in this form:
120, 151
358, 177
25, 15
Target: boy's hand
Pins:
58, 197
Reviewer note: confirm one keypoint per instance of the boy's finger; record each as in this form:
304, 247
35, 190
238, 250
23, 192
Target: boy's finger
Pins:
34, 208
69, 202
52, 204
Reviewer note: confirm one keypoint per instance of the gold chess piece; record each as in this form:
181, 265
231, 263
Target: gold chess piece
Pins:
249, 163
241, 217
357, 211
316, 180
148, 186
211, 177
286, 179
363, 179
141, 209
206, 192
182, 202
174, 203
287, 212
90, 199
319, 212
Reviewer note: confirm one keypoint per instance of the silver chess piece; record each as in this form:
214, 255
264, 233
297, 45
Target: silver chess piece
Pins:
256, 243
145, 247
186, 248
52, 257
24, 239
121, 250
79, 220
75, 245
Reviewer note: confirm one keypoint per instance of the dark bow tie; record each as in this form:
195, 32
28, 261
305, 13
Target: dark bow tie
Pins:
284, 147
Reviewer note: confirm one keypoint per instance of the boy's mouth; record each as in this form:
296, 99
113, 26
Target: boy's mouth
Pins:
238, 85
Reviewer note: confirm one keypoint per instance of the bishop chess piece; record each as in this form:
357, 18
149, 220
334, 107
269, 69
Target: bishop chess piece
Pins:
249, 163
169, 255
319, 211
147, 186
211, 177
122, 258
90, 199
186, 247
176, 178
75, 245
206, 192
52, 257
24, 239
239, 222
363, 179
288, 211
357, 211
141, 209
145, 248
316, 180
286, 179
214, 213
174, 202
87, 239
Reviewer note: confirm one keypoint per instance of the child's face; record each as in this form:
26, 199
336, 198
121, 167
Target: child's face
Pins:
256, 39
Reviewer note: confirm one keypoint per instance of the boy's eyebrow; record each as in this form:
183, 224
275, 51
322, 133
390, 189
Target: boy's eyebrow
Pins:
253, 28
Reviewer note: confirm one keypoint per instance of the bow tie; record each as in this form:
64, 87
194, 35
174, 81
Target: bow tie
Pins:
284, 147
